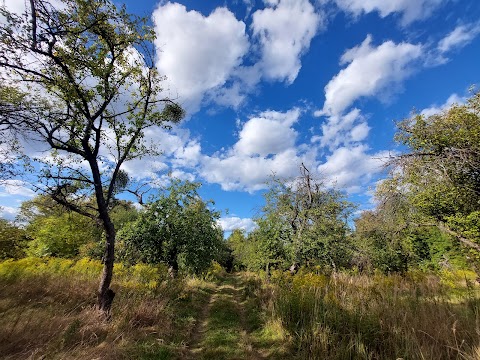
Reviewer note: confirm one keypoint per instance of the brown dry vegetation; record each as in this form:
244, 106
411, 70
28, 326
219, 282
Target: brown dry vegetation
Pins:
46, 311
52, 315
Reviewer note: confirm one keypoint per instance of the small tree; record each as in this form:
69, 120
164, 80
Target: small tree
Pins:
177, 228
88, 86
311, 221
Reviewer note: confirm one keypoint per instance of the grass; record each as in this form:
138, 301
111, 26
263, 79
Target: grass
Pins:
46, 311
378, 317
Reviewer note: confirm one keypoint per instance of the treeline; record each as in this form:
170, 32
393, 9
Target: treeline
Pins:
176, 228
427, 216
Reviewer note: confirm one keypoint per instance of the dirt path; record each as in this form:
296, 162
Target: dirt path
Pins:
222, 330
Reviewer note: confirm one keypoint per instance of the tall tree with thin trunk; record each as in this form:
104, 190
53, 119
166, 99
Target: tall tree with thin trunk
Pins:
78, 78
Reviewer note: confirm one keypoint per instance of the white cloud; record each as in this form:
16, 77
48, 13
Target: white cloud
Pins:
360, 132
343, 130
284, 30
15, 187
203, 56
435, 109
411, 10
178, 152
18, 6
370, 70
15, 6
9, 213
241, 172
270, 133
351, 168
198, 53
461, 36
234, 222
266, 146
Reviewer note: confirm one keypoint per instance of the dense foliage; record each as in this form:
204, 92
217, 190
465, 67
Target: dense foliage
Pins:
13, 240
303, 224
177, 228
442, 168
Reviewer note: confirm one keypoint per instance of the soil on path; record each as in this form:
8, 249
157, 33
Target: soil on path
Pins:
223, 330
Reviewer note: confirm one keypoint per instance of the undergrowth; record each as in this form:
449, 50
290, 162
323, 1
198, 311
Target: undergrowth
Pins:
47, 311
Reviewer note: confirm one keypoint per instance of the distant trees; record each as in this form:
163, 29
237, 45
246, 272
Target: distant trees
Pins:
13, 240
176, 228
88, 87
54, 230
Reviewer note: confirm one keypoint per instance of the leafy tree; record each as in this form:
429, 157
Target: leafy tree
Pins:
89, 89
393, 238
311, 221
57, 231
441, 169
61, 236
237, 243
177, 228
13, 240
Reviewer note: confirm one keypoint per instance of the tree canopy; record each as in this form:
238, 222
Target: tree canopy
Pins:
85, 75
441, 169
177, 228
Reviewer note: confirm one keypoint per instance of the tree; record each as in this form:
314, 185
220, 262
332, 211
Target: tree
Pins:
13, 240
236, 244
441, 169
89, 89
177, 228
313, 221
57, 231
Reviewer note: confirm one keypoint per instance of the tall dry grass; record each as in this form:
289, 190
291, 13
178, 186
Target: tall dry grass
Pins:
47, 311
379, 317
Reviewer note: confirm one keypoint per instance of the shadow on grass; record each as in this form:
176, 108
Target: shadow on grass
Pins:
404, 327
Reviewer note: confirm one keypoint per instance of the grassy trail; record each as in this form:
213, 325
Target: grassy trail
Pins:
225, 329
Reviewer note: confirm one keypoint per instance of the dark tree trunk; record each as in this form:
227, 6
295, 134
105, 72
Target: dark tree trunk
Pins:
105, 294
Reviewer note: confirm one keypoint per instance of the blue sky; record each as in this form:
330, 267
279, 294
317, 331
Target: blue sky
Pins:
270, 84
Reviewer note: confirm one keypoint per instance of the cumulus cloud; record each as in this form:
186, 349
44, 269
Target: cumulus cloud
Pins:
266, 146
15, 187
284, 30
9, 213
234, 222
18, 7
177, 151
237, 172
352, 167
345, 129
411, 10
435, 109
270, 133
204, 57
370, 70
198, 53
461, 36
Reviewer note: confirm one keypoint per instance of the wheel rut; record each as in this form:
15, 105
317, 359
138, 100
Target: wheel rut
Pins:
221, 331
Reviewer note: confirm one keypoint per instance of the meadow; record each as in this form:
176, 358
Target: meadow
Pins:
47, 311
